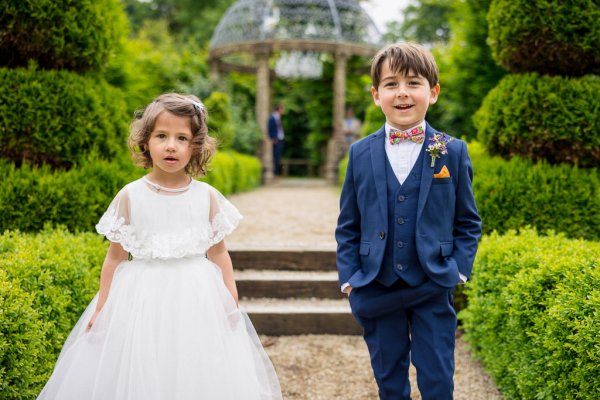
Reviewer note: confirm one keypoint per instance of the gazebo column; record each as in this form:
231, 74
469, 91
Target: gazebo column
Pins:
263, 96
337, 147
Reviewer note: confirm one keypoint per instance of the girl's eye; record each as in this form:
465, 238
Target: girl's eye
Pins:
183, 138
161, 135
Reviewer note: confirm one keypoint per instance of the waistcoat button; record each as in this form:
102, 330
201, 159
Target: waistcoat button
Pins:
401, 198
400, 220
400, 244
382, 235
400, 267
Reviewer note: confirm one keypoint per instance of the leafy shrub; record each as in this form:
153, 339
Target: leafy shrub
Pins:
231, 172
77, 35
533, 315
374, 120
552, 37
543, 118
22, 344
59, 117
218, 105
31, 197
59, 272
513, 194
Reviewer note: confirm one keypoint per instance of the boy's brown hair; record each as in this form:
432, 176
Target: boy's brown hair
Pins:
203, 146
402, 58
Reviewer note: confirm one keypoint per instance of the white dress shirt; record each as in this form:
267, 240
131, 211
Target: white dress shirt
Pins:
402, 156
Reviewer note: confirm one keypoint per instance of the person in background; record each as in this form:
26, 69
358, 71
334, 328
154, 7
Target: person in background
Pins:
276, 135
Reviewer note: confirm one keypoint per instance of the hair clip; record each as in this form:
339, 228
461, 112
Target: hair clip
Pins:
198, 106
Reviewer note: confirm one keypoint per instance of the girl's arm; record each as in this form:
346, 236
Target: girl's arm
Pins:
220, 256
114, 256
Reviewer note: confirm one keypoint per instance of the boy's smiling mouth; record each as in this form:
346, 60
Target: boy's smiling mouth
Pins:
403, 106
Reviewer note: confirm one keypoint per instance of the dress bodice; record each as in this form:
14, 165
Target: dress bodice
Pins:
153, 223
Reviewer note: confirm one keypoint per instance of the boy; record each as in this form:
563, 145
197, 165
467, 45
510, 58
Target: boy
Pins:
408, 229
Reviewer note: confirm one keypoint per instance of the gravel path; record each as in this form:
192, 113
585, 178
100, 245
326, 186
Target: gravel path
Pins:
302, 214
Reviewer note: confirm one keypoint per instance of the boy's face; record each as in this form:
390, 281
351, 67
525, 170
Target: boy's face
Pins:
404, 99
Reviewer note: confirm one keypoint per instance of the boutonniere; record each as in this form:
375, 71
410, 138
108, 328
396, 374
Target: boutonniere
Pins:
437, 147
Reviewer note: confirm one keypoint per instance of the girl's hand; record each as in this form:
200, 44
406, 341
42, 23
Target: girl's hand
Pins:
92, 320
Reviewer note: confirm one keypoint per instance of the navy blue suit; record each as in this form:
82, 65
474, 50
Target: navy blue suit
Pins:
277, 143
401, 248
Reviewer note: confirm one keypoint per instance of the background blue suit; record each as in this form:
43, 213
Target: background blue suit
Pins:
446, 235
273, 129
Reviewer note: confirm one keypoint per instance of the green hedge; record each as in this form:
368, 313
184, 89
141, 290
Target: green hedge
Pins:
22, 335
78, 35
232, 172
542, 117
31, 197
533, 315
513, 194
46, 281
59, 117
553, 37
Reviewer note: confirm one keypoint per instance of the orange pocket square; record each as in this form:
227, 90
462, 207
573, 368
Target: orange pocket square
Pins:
444, 173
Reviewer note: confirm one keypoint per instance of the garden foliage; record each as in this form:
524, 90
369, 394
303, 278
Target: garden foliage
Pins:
543, 117
553, 37
533, 315
513, 194
59, 117
77, 35
46, 280
31, 197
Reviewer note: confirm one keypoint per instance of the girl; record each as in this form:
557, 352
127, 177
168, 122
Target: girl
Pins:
165, 323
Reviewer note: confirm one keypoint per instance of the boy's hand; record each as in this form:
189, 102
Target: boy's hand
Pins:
347, 290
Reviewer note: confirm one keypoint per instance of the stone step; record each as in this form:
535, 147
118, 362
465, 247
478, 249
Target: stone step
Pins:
283, 259
288, 284
301, 316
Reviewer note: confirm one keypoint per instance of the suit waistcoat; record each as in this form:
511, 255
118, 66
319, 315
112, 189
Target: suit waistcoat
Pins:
400, 260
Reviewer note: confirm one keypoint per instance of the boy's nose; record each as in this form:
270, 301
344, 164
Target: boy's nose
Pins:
401, 91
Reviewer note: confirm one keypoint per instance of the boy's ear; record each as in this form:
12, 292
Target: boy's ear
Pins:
435, 91
375, 95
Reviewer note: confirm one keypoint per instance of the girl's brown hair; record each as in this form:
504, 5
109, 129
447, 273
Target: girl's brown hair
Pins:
203, 146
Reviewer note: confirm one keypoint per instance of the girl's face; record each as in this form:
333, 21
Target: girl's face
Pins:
170, 144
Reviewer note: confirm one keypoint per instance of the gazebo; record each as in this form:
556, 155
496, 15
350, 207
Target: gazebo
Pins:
297, 31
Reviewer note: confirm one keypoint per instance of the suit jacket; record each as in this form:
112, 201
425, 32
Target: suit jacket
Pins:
448, 226
273, 132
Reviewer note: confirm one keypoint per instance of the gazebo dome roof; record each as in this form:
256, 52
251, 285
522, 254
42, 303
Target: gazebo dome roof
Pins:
306, 25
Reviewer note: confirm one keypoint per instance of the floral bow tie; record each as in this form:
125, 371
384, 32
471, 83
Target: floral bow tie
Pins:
416, 135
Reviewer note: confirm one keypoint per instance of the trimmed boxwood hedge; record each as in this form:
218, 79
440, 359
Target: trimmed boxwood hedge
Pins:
78, 35
22, 335
542, 117
552, 37
31, 197
46, 280
513, 194
532, 315
59, 117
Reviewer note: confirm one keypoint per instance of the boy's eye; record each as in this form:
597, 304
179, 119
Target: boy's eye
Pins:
161, 135
390, 84
414, 83
183, 138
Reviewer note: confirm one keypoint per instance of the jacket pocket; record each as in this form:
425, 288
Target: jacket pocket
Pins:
364, 249
446, 248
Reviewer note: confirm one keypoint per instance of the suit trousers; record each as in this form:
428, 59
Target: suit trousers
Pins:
402, 323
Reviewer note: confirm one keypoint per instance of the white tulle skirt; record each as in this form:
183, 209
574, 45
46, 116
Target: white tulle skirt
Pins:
169, 330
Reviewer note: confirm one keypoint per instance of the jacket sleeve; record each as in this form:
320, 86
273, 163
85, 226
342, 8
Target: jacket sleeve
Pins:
467, 223
348, 231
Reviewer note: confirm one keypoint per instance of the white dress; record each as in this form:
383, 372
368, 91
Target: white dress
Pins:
170, 329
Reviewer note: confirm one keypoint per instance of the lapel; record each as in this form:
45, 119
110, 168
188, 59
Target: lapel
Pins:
427, 172
378, 160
